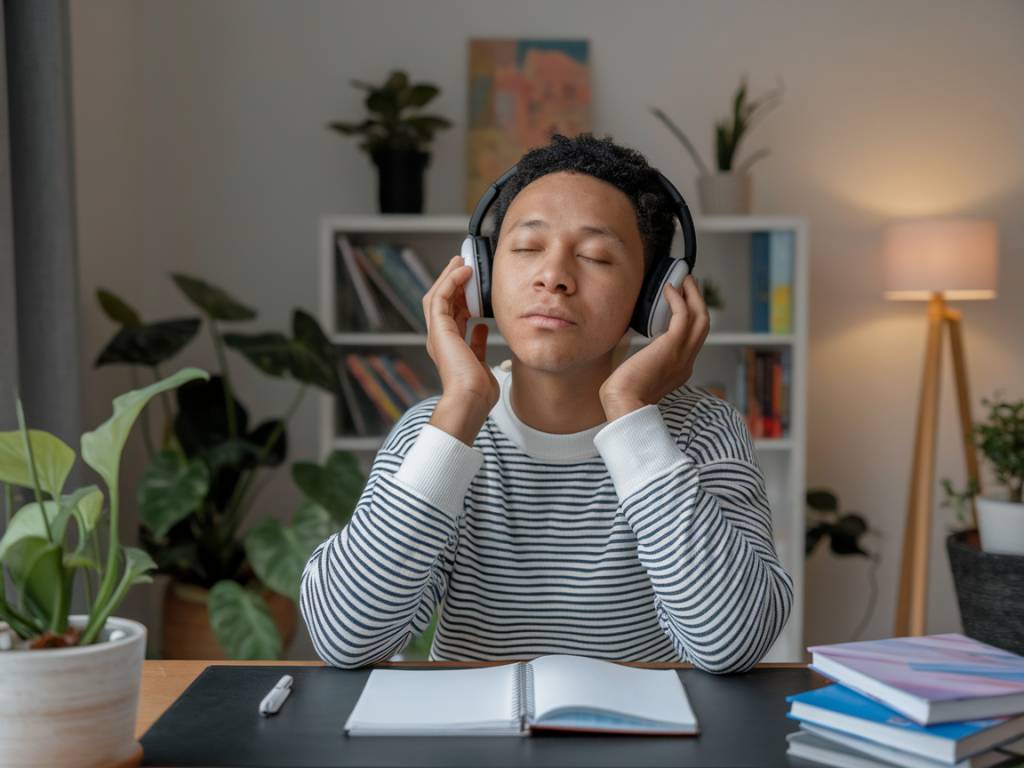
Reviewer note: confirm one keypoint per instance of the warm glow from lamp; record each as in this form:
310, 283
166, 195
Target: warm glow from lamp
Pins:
956, 258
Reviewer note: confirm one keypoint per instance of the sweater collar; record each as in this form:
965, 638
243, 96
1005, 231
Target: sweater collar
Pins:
546, 446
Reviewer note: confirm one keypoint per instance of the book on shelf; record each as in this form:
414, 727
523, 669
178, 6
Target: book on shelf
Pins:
409, 319
762, 383
553, 692
354, 405
417, 267
835, 748
772, 261
842, 709
930, 679
384, 387
355, 288
388, 262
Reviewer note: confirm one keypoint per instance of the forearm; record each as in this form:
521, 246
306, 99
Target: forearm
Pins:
374, 585
704, 538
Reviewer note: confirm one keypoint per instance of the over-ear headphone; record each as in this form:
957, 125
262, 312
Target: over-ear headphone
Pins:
652, 313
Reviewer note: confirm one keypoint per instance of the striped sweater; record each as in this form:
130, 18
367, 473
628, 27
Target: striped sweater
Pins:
646, 538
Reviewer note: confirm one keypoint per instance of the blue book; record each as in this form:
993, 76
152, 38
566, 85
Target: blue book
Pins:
760, 282
780, 303
836, 706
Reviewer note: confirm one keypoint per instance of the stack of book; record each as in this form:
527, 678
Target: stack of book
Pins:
762, 386
377, 389
772, 258
937, 700
384, 288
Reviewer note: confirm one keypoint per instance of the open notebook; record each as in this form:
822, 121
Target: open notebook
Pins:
556, 692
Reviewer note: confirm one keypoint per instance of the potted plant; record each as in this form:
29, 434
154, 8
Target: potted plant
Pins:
713, 300
988, 560
843, 532
232, 590
70, 681
397, 143
729, 191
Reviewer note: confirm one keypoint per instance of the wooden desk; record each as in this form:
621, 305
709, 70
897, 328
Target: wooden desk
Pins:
164, 681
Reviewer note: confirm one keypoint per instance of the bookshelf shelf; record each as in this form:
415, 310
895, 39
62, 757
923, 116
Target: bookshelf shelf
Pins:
724, 254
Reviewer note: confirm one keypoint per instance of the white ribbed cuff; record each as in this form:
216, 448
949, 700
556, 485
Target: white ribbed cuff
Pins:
637, 447
440, 467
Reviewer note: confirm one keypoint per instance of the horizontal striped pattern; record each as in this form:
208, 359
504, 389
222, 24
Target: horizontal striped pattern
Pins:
545, 558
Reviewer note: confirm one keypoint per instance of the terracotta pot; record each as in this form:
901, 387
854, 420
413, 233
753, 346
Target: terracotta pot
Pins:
186, 623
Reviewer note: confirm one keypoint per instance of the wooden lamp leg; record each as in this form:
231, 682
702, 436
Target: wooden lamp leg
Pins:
963, 399
912, 601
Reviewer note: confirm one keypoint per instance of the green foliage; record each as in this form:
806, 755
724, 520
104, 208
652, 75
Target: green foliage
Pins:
1000, 438
826, 522
200, 487
729, 131
387, 128
36, 550
712, 294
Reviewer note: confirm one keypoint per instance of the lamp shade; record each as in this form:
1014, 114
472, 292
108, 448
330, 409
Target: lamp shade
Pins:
957, 258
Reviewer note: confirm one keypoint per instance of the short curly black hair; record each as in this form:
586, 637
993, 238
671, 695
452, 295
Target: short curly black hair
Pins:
602, 158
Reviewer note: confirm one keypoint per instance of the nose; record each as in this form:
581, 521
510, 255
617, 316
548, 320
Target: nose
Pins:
555, 270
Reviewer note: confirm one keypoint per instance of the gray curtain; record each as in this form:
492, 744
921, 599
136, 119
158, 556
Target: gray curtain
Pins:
39, 315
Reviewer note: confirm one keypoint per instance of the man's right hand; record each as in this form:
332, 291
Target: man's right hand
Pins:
469, 387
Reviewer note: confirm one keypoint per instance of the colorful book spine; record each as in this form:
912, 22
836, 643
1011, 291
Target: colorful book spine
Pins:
388, 409
408, 375
358, 281
395, 385
412, 261
781, 281
760, 282
413, 319
388, 261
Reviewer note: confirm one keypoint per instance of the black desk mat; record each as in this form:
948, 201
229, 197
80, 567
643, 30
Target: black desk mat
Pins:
216, 722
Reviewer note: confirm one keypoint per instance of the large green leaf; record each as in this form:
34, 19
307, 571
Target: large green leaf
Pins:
336, 486
117, 309
212, 300
37, 570
86, 504
171, 489
28, 523
270, 352
150, 344
101, 448
278, 554
314, 360
242, 623
53, 460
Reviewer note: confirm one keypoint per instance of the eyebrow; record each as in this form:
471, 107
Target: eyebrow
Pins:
587, 228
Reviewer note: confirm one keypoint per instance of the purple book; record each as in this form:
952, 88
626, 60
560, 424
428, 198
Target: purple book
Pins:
930, 679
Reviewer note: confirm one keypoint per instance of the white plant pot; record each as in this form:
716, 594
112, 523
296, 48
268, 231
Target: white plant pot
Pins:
72, 707
725, 194
1000, 526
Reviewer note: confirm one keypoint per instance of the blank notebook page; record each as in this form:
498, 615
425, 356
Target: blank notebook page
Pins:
577, 682
423, 698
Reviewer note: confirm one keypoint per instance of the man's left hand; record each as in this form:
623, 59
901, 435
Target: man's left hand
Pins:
664, 364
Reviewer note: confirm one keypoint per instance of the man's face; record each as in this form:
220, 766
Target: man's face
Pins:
548, 256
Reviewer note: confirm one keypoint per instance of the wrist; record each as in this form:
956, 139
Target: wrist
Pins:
615, 407
460, 416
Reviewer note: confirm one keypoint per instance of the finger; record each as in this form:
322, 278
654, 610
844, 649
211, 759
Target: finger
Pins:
680, 319
701, 318
443, 300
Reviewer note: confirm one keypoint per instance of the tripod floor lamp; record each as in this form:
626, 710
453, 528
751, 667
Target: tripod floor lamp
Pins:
938, 261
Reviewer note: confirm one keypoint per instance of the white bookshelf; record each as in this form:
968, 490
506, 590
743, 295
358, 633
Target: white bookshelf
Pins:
723, 253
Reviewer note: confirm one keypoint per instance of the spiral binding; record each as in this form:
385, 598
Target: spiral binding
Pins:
522, 695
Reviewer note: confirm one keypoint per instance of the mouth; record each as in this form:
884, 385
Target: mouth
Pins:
546, 321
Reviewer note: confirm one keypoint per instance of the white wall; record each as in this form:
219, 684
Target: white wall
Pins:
201, 147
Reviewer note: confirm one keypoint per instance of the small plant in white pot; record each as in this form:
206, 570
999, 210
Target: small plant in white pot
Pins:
70, 681
730, 189
712, 300
1000, 438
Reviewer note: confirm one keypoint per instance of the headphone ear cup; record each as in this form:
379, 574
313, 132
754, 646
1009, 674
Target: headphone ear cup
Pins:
483, 273
652, 313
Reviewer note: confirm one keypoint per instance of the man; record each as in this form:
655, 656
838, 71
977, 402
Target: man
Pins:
561, 504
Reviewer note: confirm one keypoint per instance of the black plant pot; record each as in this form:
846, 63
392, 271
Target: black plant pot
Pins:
400, 179
990, 591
